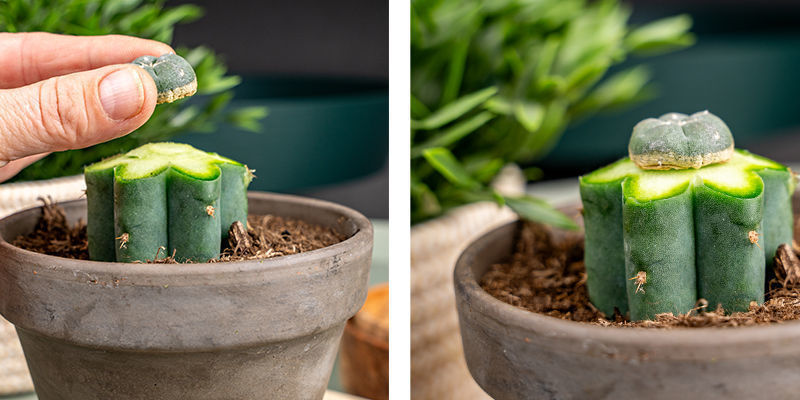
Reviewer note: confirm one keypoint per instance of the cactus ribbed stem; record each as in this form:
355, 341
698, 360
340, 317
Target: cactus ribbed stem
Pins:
691, 231
159, 195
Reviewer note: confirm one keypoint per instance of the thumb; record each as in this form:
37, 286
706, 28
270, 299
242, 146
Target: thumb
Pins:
74, 111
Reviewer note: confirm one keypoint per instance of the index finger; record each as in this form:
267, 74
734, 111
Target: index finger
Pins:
27, 58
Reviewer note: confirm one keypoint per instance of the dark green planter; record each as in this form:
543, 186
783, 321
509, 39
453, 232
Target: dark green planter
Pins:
750, 81
318, 131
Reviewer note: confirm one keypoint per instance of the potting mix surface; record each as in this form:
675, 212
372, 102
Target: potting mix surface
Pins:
266, 236
546, 275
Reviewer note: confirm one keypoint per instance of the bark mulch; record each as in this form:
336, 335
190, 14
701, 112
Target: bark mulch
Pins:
546, 275
266, 236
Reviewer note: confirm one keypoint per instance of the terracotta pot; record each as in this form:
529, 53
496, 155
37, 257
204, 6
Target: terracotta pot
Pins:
364, 355
14, 376
242, 330
516, 354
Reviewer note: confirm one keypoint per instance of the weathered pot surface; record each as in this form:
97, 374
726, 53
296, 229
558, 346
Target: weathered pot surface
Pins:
241, 330
516, 354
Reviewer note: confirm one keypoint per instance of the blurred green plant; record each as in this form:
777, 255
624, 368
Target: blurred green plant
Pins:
497, 82
146, 19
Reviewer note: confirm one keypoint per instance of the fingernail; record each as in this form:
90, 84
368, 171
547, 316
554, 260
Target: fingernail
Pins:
121, 94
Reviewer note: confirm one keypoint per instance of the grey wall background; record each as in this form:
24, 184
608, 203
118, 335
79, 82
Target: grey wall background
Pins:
742, 68
303, 38
299, 37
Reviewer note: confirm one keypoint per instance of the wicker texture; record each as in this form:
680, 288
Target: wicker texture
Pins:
14, 376
21, 195
438, 369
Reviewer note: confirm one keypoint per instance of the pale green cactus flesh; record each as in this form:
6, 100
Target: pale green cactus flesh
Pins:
174, 76
166, 196
656, 241
680, 141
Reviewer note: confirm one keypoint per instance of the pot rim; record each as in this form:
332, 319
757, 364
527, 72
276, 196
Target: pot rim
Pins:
479, 301
158, 272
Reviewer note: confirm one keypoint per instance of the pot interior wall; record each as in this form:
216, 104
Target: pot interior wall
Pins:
305, 212
496, 247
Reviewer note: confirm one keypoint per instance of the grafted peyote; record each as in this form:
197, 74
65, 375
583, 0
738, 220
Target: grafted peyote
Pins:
163, 197
174, 76
658, 240
680, 141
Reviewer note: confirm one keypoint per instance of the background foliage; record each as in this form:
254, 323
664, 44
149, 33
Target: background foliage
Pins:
146, 19
497, 82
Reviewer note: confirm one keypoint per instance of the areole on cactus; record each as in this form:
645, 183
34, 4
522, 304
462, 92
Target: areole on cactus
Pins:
658, 240
163, 197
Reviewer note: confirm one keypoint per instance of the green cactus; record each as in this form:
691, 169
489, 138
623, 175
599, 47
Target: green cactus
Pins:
167, 196
174, 76
656, 241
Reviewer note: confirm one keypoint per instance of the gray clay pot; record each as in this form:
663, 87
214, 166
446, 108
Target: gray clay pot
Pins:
516, 354
264, 329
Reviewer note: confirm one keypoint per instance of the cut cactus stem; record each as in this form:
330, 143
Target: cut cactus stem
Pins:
694, 233
166, 195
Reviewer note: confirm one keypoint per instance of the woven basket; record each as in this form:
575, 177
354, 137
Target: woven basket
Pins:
14, 376
438, 368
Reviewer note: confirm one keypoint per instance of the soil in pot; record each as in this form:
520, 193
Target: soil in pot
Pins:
546, 275
267, 236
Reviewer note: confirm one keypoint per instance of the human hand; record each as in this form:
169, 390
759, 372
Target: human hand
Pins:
61, 92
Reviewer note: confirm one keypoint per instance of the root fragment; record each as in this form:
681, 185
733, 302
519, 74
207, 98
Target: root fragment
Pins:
700, 306
158, 251
238, 239
787, 266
